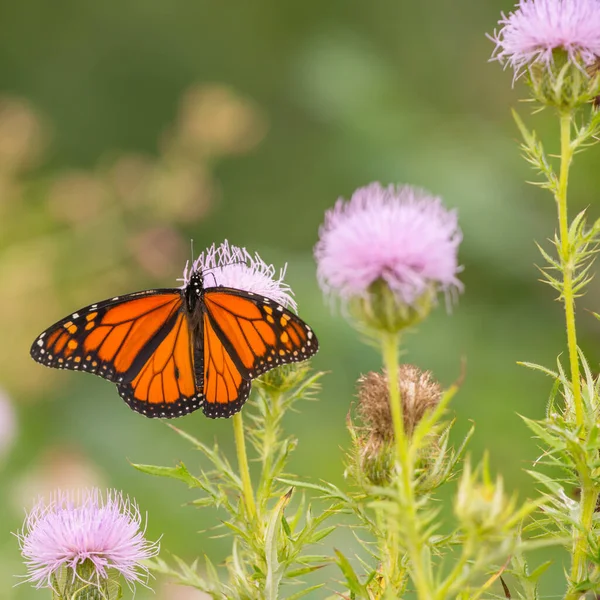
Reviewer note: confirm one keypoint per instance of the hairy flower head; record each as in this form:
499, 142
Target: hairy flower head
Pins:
226, 265
536, 28
72, 529
401, 236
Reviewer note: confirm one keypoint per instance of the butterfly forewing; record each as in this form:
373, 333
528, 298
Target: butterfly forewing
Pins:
106, 338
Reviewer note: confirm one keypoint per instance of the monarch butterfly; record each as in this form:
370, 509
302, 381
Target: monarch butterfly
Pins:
173, 351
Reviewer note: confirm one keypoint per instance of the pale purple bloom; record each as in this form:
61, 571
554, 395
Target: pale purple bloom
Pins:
536, 28
85, 526
230, 266
8, 423
401, 235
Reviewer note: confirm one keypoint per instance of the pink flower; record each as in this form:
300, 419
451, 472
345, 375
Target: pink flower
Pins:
8, 423
230, 266
400, 235
72, 529
536, 28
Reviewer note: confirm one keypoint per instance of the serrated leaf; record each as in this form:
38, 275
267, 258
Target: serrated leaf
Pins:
322, 534
542, 432
541, 368
303, 571
179, 472
303, 593
352, 580
539, 571
274, 567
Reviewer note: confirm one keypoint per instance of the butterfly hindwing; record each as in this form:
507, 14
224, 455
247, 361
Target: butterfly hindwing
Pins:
165, 385
225, 389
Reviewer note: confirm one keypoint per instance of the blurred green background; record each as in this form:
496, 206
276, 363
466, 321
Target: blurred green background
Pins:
129, 127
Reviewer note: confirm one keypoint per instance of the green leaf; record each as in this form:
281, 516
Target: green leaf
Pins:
329, 490
542, 432
541, 368
322, 534
303, 571
274, 567
352, 579
539, 571
179, 472
303, 593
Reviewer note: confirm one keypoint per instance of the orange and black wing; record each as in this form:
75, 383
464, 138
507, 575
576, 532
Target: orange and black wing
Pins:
119, 338
165, 385
225, 389
245, 335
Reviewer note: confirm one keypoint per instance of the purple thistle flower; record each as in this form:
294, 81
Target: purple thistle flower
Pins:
400, 235
8, 423
74, 528
538, 27
230, 266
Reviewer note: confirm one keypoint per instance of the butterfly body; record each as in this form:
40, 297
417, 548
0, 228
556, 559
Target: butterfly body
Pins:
173, 351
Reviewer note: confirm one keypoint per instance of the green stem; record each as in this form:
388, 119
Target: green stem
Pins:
588, 502
413, 539
457, 572
566, 156
269, 445
240, 445
588, 493
390, 561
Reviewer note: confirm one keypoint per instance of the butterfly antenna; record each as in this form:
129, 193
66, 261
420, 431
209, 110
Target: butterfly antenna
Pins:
208, 272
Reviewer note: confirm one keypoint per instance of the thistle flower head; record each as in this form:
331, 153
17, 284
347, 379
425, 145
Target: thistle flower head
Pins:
104, 533
536, 28
398, 236
231, 266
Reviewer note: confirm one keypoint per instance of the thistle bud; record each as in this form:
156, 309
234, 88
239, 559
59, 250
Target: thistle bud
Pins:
481, 505
283, 379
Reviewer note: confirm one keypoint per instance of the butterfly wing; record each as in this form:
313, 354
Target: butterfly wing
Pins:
165, 384
225, 389
245, 335
124, 339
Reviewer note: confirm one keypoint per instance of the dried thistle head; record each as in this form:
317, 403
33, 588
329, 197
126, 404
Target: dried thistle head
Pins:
594, 72
374, 437
419, 391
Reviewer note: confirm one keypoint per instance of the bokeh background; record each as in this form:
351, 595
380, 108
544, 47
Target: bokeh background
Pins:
129, 127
